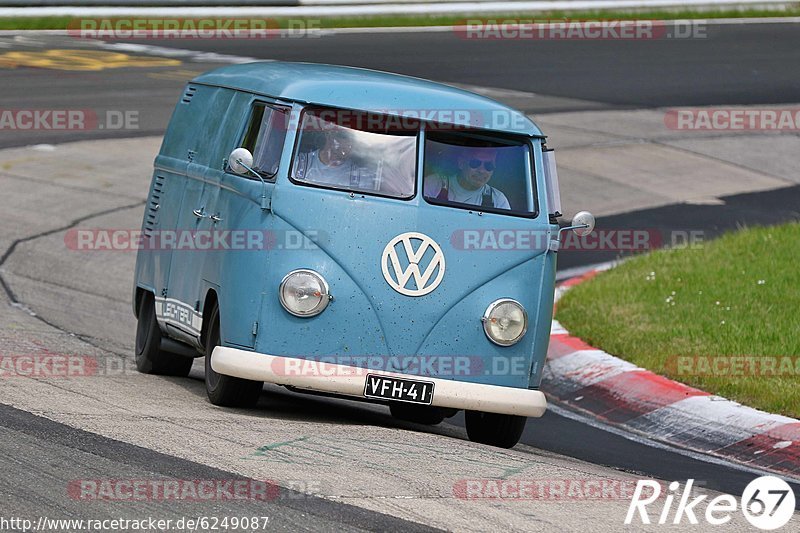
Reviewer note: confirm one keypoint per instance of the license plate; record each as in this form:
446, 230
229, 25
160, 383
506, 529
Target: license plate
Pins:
401, 390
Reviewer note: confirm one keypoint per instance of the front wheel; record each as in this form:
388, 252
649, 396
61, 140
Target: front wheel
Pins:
503, 431
227, 391
150, 359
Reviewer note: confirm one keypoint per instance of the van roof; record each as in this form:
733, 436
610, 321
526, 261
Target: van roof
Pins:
371, 91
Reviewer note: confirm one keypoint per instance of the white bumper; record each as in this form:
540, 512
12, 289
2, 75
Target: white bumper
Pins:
351, 380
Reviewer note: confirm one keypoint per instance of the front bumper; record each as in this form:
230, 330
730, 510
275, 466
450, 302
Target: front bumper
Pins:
351, 380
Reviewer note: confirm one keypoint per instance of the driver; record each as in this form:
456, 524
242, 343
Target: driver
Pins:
332, 164
470, 185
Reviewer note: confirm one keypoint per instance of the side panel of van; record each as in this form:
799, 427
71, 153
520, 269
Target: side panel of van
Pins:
164, 203
161, 211
242, 272
209, 114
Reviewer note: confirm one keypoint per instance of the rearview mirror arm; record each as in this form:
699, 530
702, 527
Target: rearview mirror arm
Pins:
264, 203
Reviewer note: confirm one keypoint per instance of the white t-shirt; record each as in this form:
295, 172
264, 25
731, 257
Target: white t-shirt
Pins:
456, 193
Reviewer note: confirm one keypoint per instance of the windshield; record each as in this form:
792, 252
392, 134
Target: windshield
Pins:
472, 171
331, 153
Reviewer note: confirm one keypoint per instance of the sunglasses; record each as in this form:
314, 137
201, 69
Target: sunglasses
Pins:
476, 163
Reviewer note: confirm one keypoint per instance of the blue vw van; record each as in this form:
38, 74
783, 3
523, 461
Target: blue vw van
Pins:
353, 233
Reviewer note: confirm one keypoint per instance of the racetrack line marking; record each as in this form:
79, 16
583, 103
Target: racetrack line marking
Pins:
174, 467
164, 51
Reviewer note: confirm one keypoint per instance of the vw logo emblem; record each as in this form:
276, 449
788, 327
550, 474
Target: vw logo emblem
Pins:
414, 246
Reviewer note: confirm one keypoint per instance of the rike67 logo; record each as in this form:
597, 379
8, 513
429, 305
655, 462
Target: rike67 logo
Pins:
767, 503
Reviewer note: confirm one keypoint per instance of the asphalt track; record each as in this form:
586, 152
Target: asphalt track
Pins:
741, 64
72, 452
735, 64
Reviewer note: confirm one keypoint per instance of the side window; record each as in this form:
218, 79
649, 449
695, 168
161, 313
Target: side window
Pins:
265, 136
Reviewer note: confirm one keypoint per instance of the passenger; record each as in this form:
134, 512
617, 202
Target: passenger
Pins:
470, 185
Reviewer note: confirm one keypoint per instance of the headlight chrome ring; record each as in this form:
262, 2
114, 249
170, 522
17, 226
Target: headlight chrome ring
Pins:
505, 322
304, 293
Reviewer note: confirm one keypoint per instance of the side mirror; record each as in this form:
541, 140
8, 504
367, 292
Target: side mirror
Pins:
241, 161
582, 223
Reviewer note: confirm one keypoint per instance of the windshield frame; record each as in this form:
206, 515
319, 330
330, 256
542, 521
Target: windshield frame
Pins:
491, 136
417, 136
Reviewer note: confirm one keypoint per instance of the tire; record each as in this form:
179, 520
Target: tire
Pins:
420, 414
503, 431
227, 391
150, 359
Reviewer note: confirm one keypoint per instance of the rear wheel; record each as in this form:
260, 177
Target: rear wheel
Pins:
420, 414
227, 391
150, 359
503, 431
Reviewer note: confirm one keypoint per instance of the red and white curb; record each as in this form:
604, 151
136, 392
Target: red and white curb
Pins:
628, 397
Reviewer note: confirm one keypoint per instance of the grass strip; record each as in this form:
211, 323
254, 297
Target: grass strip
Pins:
722, 316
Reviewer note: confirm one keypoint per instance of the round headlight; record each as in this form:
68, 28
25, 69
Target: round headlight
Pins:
304, 293
505, 321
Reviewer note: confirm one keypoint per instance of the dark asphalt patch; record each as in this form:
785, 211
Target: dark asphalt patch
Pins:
736, 64
738, 211
66, 453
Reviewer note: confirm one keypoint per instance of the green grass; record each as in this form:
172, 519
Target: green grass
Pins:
60, 23
738, 295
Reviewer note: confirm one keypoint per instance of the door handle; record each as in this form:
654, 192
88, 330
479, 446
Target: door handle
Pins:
201, 213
